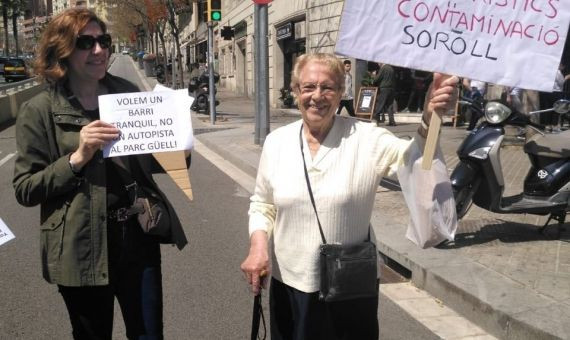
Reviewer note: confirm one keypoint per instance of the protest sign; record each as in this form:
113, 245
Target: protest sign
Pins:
507, 42
5, 233
149, 122
174, 163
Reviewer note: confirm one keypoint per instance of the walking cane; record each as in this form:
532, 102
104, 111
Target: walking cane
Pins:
257, 315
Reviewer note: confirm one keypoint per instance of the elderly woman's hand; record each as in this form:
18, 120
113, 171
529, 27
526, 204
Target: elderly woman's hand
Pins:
256, 265
92, 137
442, 96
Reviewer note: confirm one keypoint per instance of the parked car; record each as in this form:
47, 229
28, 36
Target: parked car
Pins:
15, 69
2, 61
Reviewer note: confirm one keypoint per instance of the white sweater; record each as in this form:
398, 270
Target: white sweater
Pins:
344, 176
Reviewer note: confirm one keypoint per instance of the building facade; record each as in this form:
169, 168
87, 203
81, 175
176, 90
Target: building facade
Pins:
295, 27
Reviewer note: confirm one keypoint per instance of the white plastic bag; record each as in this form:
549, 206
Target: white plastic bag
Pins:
429, 197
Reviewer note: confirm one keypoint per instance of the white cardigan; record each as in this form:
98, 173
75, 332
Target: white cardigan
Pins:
344, 176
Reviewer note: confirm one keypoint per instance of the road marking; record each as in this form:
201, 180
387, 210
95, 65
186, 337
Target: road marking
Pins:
240, 177
7, 158
432, 313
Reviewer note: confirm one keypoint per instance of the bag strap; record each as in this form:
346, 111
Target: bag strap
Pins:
309, 185
124, 171
311, 191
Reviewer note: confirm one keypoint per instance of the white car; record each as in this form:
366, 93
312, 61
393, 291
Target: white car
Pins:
125, 52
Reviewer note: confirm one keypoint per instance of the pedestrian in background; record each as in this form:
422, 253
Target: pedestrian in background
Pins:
92, 245
420, 82
345, 160
347, 100
385, 81
478, 90
547, 99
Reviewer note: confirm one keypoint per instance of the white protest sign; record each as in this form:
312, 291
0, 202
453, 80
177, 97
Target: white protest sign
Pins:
508, 42
150, 122
5, 233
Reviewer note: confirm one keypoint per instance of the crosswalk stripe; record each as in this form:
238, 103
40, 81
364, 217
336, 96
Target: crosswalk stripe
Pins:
7, 158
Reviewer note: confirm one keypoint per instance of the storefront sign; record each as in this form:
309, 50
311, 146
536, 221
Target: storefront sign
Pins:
149, 122
509, 42
300, 30
284, 31
366, 102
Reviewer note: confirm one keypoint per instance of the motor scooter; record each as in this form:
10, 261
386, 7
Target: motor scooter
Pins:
198, 87
478, 177
160, 72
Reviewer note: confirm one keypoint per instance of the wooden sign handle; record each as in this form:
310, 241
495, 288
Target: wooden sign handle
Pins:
431, 141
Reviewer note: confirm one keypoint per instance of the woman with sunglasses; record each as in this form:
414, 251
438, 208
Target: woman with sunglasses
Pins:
91, 244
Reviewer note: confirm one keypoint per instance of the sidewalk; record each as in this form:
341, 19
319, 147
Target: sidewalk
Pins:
500, 272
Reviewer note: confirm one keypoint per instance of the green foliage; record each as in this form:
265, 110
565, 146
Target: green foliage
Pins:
286, 96
367, 80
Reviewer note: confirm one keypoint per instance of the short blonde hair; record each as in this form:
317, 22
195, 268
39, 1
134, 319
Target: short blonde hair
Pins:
334, 65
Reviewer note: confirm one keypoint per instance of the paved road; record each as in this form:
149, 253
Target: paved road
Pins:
205, 296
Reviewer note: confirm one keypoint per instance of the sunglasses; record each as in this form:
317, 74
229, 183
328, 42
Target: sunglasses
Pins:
86, 42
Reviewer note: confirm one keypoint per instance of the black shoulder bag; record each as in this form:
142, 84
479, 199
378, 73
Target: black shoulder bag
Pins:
152, 213
347, 271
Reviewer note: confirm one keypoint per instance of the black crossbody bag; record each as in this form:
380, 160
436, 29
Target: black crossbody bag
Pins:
347, 271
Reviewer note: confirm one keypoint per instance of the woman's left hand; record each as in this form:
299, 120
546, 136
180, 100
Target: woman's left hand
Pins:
442, 95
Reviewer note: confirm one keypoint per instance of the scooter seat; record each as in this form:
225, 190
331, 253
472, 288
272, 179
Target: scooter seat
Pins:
550, 145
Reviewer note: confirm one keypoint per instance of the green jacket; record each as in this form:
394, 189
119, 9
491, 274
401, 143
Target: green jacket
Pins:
73, 208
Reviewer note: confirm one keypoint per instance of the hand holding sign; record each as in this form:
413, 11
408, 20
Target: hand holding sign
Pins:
92, 137
442, 96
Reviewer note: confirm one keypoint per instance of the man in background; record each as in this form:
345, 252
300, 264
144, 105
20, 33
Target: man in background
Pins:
385, 82
347, 100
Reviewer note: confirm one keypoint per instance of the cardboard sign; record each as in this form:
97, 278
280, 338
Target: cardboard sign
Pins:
149, 122
5, 233
366, 102
507, 42
174, 163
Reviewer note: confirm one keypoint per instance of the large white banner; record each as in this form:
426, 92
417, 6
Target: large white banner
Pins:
508, 42
149, 121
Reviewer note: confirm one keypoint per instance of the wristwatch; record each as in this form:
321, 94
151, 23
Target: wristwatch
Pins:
73, 167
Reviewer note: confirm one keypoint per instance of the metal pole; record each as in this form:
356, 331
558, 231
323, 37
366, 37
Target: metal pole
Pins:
211, 84
264, 74
257, 73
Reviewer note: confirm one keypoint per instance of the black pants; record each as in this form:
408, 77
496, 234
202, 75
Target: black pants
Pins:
384, 101
136, 281
296, 315
348, 104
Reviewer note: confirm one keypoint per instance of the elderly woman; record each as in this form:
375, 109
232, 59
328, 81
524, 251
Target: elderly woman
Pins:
92, 246
345, 162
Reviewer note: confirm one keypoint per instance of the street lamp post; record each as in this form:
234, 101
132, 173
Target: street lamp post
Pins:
261, 71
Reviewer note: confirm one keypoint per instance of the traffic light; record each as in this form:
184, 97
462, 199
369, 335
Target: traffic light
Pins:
214, 10
227, 32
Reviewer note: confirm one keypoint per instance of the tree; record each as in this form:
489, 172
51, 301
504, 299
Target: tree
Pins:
11, 8
174, 7
154, 15
17, 6
5, 6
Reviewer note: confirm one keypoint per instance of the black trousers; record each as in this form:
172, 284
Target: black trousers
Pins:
384, 102
136, 282
296, 315
348, 104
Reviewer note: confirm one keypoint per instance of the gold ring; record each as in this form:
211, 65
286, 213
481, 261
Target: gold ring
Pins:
263, 273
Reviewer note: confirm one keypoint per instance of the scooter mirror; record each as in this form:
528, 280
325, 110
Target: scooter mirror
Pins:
562, 106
